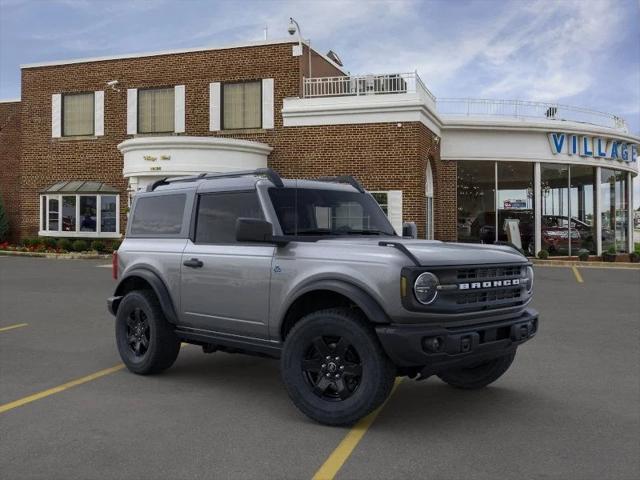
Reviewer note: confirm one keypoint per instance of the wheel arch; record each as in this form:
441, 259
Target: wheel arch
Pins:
327, 294
140, 279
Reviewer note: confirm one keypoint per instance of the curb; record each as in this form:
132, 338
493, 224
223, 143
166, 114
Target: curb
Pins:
577, 263
58, 256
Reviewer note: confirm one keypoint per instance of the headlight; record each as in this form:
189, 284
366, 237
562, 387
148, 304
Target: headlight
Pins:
529, 274
426, 288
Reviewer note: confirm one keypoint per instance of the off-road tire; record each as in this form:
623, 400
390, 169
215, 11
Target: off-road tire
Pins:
163, 344
472, 378
377, 373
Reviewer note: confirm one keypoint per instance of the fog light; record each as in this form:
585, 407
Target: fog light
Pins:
433, 344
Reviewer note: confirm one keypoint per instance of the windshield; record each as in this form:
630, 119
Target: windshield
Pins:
304, 211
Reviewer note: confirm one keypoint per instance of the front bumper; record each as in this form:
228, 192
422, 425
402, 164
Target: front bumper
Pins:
437, 348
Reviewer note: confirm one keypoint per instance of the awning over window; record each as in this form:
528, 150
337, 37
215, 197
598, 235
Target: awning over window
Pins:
80, 186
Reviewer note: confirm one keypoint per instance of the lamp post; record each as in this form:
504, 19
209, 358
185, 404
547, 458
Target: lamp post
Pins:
293, 28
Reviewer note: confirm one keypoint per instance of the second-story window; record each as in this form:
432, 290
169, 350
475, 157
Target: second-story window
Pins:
241, 105
156, 110
78, 114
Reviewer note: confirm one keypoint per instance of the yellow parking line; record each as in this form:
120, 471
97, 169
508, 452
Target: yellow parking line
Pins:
576, 273
11, 327
60, 388
336, 460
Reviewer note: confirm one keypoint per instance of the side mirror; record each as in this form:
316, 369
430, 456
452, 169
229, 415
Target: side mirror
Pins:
256, 230
409, 230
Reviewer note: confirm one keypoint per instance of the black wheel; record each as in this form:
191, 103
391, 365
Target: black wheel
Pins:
478, 376
146, 341
334, 367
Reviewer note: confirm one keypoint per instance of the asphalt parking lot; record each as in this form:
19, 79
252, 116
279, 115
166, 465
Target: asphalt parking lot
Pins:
569, 408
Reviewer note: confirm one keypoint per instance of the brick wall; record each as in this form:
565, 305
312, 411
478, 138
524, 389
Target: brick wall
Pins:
10, 163
381, 156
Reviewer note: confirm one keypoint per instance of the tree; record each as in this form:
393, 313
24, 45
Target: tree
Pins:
4, 222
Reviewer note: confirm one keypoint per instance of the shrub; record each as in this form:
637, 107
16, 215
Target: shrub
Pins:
49, 242
65, 244
634, 257
115, 244
79, 245
583, 254
611, 250
543, 254
30, 242
4, 222
98, 246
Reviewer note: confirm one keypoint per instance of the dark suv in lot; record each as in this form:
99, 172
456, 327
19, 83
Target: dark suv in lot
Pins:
313, 273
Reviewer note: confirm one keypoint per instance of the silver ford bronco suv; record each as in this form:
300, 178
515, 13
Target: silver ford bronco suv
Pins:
312, 273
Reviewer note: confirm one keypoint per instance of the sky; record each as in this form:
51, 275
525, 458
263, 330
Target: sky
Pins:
582, 52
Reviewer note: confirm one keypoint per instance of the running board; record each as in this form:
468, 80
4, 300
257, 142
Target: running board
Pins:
229, 343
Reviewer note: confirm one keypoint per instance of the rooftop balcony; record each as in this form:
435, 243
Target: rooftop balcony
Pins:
410, 83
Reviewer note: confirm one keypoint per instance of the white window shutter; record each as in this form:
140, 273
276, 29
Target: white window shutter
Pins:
267, 103
179, 96
132, 111
214, 106
56, 115
98, 112
394, 209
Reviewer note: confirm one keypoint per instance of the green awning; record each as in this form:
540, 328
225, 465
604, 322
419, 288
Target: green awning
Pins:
80, 186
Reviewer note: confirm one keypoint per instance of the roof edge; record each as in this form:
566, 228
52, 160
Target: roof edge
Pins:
157, 53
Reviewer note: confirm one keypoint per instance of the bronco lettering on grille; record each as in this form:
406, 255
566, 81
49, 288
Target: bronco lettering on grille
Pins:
490, 284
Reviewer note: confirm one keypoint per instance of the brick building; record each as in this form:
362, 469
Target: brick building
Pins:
87, 134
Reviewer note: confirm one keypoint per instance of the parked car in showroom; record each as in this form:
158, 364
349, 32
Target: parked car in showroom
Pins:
313, 273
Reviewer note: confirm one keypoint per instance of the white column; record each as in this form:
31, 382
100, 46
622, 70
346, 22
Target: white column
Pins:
630, 211
598, 212
537, 207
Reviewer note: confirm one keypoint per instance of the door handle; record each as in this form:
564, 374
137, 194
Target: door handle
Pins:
193, 263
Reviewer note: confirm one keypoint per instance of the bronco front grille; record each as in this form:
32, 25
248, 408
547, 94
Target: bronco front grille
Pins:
482, 273
488, 296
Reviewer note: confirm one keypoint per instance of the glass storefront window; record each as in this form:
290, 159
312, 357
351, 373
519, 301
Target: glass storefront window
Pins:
515, 202
69, 213
54, 212
554, 188
476, 202
622, 212
108, 213
88, 213
582, 206
615, 210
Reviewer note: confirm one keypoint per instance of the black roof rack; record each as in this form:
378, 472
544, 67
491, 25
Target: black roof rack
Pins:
344, 179
267, 172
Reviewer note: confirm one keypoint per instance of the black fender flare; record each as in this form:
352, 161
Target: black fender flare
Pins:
158, 287
362, 299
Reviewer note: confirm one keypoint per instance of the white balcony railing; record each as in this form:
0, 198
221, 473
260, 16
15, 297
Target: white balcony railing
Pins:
473, 107
356, 85
398, 83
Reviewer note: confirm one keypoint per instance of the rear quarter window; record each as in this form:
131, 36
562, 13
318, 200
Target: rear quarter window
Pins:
158, 215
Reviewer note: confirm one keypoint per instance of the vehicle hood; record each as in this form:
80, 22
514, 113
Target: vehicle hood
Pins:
437, 253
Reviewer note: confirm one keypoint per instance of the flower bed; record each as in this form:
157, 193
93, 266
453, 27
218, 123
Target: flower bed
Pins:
48, 245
